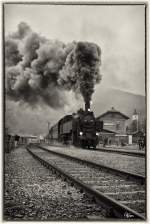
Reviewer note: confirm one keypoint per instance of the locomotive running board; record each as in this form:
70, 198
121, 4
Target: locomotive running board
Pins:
118, 210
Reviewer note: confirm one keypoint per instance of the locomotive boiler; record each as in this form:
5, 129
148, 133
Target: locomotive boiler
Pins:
80, 129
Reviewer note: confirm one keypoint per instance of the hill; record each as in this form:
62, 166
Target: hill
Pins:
23, 119
125, 102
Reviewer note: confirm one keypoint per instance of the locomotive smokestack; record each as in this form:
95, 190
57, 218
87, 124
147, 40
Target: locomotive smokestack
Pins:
87, 106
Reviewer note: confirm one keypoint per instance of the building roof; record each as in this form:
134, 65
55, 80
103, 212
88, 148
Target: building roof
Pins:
113, 110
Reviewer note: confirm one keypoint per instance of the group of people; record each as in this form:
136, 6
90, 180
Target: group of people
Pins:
142, 143
11, 142
105, 142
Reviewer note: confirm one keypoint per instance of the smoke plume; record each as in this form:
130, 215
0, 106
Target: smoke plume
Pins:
81, 70
40, 71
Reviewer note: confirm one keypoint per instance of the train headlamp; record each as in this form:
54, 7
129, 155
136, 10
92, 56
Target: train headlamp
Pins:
97, 133
81, 133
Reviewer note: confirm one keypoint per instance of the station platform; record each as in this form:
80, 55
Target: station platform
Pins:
130, 149
133, 150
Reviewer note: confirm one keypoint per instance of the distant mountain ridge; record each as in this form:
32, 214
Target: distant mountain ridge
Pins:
122, 101
22, 119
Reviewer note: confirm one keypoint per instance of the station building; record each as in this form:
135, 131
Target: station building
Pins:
114, 127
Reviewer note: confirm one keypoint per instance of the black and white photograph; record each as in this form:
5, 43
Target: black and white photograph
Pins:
75, 111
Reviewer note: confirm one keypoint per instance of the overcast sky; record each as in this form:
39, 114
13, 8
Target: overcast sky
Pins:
118, 30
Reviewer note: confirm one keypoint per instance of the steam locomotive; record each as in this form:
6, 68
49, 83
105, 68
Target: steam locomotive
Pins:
81, 129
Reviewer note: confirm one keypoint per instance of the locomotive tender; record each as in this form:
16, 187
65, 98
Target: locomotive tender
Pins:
81, 129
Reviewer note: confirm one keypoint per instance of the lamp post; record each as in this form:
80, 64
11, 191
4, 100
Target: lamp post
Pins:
48, 125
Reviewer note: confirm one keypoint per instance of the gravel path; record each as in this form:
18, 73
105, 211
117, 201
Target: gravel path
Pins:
123, 162
32, 192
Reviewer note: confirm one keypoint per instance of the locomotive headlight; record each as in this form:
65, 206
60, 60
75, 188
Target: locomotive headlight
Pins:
81, 133
97, 133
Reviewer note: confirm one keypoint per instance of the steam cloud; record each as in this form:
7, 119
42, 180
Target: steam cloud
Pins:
40, 71
81, 70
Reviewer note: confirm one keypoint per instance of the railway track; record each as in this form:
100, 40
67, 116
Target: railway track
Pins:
121, 193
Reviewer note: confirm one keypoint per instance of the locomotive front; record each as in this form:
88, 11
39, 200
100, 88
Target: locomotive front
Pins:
89, 128
80, 129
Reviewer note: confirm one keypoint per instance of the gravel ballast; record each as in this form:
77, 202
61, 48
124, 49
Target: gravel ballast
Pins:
127, 163
32, 192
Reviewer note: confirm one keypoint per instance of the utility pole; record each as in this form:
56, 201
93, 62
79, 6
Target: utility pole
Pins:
138, 123
48, 130
48, 126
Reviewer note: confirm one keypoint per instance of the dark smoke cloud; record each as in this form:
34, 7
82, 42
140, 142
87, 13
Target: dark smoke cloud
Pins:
23, 30
39, 71
12, 55
29, 47
81, 70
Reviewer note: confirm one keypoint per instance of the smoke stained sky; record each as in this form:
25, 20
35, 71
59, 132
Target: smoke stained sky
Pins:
118, 30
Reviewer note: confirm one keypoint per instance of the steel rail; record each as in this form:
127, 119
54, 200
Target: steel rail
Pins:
114, 207
129, 175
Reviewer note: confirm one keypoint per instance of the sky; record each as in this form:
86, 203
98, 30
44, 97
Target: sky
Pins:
119, 30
